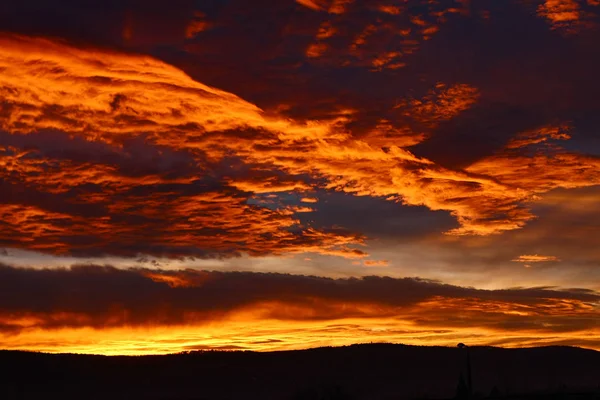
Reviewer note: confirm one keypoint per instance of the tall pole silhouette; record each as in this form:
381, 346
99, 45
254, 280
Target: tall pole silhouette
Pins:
469, 375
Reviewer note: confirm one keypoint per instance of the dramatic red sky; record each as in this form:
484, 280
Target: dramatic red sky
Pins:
280, 174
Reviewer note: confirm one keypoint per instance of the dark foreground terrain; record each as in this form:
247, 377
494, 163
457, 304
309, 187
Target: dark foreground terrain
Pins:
376, 371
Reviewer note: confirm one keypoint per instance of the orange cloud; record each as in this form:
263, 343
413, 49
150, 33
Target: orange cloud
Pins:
376, 263
534, 258
269, 184
316, 50
541, 135
153, 311
207, 224
393, 10
441, 103
310, 4
561, 14
541, 172
567, 16
233, 152
383, 42
339, 6
196, 26
189, 278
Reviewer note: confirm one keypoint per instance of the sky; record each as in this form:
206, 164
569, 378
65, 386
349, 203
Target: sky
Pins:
279, 174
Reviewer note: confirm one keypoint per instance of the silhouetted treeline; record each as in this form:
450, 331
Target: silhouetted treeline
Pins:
376, 371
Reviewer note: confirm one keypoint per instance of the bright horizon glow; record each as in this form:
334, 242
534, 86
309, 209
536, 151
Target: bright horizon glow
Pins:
241, 335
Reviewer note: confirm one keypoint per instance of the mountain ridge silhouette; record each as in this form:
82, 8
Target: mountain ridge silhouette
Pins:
363, 371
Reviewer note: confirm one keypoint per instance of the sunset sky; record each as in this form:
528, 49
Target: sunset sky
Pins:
281, 174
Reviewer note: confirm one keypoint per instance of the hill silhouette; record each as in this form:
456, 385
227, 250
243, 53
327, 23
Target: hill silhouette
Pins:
373, 371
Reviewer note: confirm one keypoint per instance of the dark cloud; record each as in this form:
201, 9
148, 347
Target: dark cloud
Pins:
104, 296
106, 23
377, 218
67, 182
478, 132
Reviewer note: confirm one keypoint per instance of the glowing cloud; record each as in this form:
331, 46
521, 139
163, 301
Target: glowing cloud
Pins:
561, 14
136, 310
381, 43
376, 263
112, 100
534, 258
310, 4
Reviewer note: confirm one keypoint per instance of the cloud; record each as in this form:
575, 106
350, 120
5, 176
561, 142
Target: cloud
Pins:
375, 35
540, 135
541, 172
535, 258
112, 23
566, 227
310, 4
376, 263
196, 26
104, 298
568, 16
216, 157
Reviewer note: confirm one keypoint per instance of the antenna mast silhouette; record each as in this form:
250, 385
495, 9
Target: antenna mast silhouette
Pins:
469, 375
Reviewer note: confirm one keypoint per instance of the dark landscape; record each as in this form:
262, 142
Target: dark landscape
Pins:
371, 371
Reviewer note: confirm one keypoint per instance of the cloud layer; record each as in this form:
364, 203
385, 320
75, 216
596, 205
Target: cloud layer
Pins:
164, 165
105, 298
